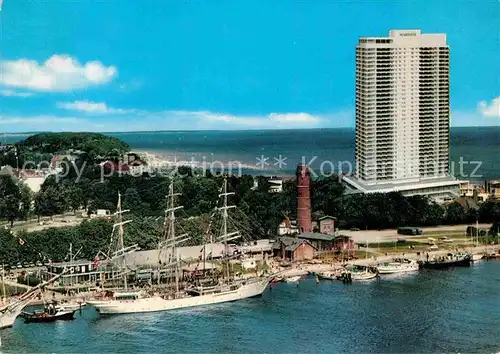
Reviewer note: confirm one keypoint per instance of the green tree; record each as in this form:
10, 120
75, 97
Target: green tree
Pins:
10, 199
8, 246
26, 199
489, 211
74, 196
435, 214
132, 200
51, 200
455, 213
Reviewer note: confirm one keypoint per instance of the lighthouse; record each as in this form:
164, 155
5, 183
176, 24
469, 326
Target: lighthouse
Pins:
303, 198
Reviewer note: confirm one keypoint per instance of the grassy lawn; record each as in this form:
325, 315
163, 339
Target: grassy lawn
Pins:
444, 233
405, 244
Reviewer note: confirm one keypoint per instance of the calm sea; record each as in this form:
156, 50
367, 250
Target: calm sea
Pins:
330, 149
450, 311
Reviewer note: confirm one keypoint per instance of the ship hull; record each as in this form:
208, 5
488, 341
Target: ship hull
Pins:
157, 304
447, 264
9, 313
44, 318
398, 269
7, 319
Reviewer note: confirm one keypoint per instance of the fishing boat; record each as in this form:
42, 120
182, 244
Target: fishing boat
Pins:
11, 311
50, 313
459, 259
398, 265
226, 290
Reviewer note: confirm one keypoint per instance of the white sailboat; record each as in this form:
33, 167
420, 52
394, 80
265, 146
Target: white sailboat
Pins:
196, 296
477, 256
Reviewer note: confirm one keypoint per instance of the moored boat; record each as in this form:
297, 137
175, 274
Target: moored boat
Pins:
328, 275
398, 265
364, 275
358, 273
135, 302
459, 259
49, 314
224, 291
293, 279
477, 257
11, 311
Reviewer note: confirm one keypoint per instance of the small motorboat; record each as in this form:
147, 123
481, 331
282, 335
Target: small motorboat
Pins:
294, 279
329, 275
398, 266
49, 314
278, 279
358, 273
477, 257
365, 275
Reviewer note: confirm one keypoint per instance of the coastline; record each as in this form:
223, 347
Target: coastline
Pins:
171, 159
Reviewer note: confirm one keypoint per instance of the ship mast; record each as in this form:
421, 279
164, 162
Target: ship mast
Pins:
4, 294
225, 237
170, 242
120, 236
120, 250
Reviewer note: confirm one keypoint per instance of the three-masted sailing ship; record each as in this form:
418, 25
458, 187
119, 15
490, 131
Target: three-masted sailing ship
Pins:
225, 290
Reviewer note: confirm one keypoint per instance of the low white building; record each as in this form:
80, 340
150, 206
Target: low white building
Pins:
288, 227
249, 263
275, 185
150, 258
256, 247
439, 189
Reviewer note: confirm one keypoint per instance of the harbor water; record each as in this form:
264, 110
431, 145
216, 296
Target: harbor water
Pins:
454, 310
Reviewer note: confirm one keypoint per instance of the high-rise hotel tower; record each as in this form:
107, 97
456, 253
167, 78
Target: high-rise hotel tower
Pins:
403, 115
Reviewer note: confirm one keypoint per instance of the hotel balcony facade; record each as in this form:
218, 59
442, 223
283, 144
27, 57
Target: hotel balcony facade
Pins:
402, 108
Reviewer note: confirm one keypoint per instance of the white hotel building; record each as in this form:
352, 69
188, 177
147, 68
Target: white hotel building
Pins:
403, 115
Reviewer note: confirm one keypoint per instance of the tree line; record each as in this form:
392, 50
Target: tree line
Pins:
81, 187
258, 214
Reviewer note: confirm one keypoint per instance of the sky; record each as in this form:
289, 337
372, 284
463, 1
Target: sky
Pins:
123, 65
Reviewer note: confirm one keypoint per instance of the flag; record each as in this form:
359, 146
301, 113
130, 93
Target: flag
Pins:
21, 241
95, 262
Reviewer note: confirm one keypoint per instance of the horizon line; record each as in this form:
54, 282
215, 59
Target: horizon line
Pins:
210, 130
